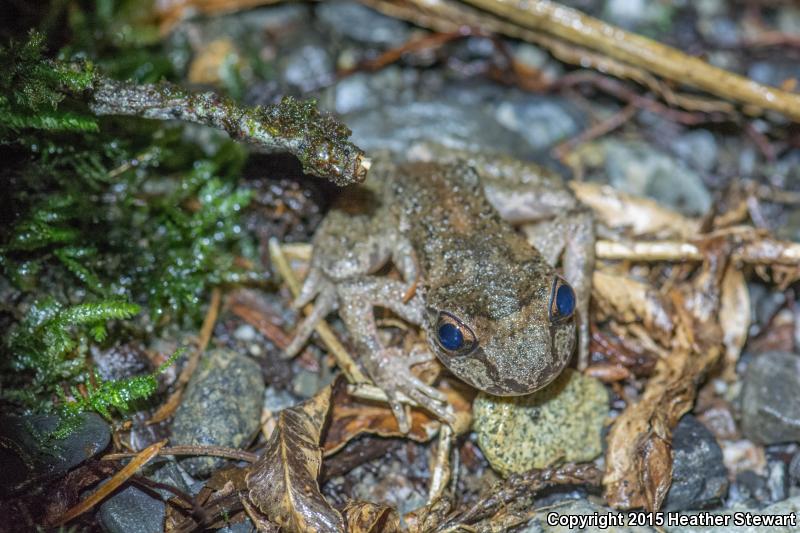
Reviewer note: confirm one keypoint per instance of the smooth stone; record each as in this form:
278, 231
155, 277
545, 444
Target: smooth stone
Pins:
770, 401
221, 407
28, 455
462, 127
773, 73
277, 399
698, 149
308, 67
563, 421
362, 24
636, 168
137, 511
699, 476
542, 120
132, 511
361, 91
637, 14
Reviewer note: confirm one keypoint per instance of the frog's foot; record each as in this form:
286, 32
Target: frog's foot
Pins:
326, 302
390, 369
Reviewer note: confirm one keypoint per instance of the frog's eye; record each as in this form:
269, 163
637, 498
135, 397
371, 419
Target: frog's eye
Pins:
562, 300
452, 335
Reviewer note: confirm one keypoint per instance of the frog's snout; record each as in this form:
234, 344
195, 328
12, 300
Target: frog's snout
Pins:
517, 363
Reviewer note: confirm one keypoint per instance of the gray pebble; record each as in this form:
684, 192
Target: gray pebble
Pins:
770, 399
221, 406
28, 455
699, 477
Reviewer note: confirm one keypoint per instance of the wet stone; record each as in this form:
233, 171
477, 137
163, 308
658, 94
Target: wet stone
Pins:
637, 168
362, 24
698, 149
770, 403
699, 477
133, 510
542, 120
563, 421
27, 455
453, 125
221, 407
308, 67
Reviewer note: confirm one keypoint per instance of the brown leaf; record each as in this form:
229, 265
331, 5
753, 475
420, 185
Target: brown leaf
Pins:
366, 517
353, 416
283, 483
734, 317
641, 216
629, 300
638, 456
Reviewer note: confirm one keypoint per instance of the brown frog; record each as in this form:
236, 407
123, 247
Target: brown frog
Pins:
496, 312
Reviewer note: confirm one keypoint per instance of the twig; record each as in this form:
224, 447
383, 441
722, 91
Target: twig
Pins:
343, 359
522, 486
763, 251
575, 27
442, 470
214, 451
141, 459
168, 407
317, 140
597, 130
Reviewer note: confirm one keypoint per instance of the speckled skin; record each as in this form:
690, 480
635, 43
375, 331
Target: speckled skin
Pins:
457, 256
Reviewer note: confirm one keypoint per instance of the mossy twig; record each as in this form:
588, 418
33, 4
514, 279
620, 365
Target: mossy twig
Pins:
317, 140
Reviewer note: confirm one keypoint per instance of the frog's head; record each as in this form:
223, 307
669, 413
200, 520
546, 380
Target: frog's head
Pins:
508, 337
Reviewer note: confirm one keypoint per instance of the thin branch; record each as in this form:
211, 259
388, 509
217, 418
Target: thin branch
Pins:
573, 26
214, 451
139, 460
317, 140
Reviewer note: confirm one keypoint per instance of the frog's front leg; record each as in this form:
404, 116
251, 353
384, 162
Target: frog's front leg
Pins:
573, 235
388, 367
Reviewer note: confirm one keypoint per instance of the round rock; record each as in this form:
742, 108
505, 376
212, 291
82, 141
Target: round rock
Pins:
221, 407
770, 403
699, 476
563, 421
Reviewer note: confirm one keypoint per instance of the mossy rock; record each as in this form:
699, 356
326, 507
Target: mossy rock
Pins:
563, 421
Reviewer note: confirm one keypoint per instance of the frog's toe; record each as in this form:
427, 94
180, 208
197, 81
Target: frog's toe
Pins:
312, 285
326, 302
400, 412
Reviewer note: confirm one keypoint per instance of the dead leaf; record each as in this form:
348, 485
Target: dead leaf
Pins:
734, 317
366, 517
638, 456
503, 505
283, 483
353, 416
640, 216
629, 300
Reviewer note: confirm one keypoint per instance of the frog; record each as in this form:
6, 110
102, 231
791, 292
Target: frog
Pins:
495, 310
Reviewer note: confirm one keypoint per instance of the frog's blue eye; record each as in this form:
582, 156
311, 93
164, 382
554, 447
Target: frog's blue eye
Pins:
562, 303
450, 336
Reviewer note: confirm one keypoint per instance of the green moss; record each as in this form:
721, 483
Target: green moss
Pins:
137, 218
103, 396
